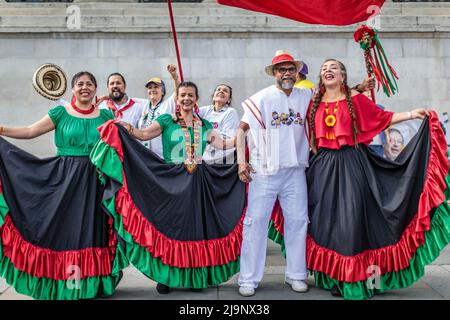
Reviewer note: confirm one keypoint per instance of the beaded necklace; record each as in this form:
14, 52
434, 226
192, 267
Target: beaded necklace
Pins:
82, 111
191, 160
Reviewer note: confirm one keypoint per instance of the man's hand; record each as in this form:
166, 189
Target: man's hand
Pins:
244, 170
126, 125
100, 100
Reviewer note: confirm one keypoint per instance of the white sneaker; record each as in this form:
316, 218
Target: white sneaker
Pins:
297, 285
246, 291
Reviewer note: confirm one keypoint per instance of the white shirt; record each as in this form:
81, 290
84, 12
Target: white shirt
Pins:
226, 122
130, 115
277, 129
149, 115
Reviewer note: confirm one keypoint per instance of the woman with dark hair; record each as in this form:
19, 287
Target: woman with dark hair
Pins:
180, 218
375, 223
224, 119
56, 241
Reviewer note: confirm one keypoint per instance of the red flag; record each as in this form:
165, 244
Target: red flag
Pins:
336, 12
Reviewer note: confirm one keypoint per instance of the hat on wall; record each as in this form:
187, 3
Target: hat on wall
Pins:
280, 57
50, 81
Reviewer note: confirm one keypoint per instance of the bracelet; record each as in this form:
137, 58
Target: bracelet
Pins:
409, 115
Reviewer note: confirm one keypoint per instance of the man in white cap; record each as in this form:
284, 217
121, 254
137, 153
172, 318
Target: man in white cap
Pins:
279, 153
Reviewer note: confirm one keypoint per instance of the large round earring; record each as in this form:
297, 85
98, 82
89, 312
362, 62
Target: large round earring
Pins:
196, 109
342, 86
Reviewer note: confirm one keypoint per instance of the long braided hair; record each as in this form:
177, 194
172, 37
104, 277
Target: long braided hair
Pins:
318, 98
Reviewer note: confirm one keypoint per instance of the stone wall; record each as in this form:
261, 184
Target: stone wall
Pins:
218, 45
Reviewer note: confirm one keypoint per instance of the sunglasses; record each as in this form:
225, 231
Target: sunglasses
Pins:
284, 70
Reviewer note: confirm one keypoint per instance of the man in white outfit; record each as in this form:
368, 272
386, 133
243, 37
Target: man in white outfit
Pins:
124, 108
279, 152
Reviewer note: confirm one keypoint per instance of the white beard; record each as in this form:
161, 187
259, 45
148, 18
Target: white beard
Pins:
287, 85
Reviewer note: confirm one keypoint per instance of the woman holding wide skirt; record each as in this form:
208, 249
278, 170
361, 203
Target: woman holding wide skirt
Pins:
181, 219
374, 223
56, 241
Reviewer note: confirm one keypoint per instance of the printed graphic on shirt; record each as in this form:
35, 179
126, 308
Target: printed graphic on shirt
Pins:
286, 118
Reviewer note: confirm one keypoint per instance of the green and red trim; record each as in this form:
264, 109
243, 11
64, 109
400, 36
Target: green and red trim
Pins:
276, 227
194, 264
435, 240
21, 264
394, 257
401, 264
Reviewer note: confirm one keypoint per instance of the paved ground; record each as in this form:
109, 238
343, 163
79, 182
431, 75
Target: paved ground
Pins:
435, 285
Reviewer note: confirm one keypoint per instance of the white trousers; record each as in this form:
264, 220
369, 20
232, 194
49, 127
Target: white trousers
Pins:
289, 185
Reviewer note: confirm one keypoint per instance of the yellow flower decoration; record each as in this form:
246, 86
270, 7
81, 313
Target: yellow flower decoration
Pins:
330, 120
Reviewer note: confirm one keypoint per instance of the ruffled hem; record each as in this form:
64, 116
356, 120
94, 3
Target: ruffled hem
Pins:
56, 265
134, 228
395, 257
180, 254
435, 240
156, 270
49, 289
73, 287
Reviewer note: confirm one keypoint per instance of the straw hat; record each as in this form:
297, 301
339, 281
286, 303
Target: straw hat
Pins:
50, 81
282, 56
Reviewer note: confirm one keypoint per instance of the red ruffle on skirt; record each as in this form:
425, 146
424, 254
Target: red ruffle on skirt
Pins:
394, 257
56, 265
176, 253
180, 254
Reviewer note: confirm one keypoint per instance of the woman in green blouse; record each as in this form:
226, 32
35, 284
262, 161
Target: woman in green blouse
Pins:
56, 242
184, 137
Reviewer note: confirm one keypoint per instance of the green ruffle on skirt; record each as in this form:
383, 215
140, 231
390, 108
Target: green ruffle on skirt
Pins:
276, 237
435, 240
105, 158
50, 289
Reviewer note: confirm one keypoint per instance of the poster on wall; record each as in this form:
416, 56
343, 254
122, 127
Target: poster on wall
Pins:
393, 140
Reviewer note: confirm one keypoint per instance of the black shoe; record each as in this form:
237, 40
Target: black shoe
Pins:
335, 291
162, 288
196, 289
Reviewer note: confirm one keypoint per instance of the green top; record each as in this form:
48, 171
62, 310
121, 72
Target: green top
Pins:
76, 136
173, 138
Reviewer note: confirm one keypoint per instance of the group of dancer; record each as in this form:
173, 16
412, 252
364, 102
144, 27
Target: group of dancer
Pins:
129, 185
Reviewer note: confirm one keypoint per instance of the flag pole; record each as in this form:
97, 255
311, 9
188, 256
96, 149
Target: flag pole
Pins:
174, 32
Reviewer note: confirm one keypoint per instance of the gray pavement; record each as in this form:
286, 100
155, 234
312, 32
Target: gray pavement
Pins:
434, 285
